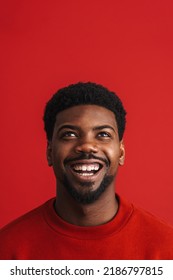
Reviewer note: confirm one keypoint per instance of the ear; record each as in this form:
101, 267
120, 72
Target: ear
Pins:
122, 153
49, 153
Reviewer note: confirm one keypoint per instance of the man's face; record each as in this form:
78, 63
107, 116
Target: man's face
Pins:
85, 151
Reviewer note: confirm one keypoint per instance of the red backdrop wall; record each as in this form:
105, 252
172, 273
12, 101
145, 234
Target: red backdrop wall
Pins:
124, 45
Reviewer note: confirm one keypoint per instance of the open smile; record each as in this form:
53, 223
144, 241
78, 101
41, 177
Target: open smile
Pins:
86, 170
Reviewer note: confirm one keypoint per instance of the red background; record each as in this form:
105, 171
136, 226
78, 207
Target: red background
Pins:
124, 45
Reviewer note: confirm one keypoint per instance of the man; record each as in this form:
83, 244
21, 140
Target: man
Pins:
84, 124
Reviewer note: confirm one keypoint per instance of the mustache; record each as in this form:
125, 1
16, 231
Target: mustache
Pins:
84, 156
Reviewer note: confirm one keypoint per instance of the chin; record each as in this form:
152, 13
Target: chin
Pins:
87, 192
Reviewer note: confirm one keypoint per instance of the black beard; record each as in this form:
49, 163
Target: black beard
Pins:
89, 196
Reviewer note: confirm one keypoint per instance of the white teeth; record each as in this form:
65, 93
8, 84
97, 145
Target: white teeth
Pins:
86, 167
86, 174
89, 168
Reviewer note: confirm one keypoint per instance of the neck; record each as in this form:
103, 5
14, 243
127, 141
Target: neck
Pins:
100, 212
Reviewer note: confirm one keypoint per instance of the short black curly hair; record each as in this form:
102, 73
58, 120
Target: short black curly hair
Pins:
83, 94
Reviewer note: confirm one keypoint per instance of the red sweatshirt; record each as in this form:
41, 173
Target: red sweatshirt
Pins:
42, 234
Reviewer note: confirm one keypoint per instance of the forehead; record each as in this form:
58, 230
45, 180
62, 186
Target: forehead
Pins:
85, 115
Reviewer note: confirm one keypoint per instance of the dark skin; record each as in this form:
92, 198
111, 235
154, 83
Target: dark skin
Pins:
92, 130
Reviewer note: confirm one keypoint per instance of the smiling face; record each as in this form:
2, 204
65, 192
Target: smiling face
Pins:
85, 151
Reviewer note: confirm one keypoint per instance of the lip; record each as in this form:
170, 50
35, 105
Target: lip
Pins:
86, 161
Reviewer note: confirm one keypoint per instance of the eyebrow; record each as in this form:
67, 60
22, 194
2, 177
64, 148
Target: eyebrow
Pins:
74, 127
103, 127
68, 126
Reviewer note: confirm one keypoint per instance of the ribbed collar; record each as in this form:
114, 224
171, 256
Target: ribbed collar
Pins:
62, 227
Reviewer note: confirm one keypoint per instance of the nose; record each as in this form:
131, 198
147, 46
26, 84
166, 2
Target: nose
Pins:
86, 147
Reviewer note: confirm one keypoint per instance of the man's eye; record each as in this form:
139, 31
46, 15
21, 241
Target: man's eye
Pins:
68, 134
104, 135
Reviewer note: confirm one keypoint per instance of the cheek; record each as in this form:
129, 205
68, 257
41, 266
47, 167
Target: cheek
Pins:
59, 154
113, 154
57, 163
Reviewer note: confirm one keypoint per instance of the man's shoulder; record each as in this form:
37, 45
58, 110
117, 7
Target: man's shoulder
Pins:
149, 224
139, 216
143, 224
27, 221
